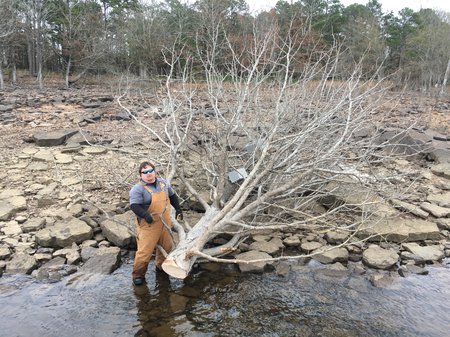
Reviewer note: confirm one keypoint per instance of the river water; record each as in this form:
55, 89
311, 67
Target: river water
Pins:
310, 301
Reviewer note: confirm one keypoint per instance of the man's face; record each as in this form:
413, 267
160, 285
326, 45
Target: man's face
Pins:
148, 174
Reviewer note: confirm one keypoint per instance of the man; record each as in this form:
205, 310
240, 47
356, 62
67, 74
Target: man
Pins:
150, 200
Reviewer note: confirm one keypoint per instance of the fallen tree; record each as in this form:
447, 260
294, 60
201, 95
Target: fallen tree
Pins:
272, 136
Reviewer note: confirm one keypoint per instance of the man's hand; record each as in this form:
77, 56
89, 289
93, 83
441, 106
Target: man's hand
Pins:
148, 218
179, 215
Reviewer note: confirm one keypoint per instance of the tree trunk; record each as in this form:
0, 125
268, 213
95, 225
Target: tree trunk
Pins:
2, 82
142, 70
66, 80
180, 261
31, 58
447, 72
14, 74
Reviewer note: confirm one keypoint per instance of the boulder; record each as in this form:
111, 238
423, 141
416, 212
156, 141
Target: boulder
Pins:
52, 138
399, 230
120, 229
9, 207
11, 228
407, 207
440, 199
330, 254
268, 247
336, 236
380, 258
33, 224
436, 211
253, 266
70, 254
441, 170
426, 253
292, 241
310, 246
104, 261
5, 252
21, 264
63, 233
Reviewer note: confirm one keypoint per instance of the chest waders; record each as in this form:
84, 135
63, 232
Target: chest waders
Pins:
149, 235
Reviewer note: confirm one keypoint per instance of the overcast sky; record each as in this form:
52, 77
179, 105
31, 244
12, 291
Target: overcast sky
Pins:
387, 5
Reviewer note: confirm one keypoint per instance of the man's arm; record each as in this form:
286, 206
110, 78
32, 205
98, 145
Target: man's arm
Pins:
175, 202
141, 212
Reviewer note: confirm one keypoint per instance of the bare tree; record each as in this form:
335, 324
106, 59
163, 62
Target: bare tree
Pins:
270, 142
8, 26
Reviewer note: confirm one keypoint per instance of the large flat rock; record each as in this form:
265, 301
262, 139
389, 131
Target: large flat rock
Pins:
63, 233
400, 230
52, 138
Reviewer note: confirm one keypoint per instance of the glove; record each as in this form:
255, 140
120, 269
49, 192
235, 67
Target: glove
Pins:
179, 215
148, 218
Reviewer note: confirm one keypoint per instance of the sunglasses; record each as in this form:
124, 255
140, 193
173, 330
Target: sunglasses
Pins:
147, 171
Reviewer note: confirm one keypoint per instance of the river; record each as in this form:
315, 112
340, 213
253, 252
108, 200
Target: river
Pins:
311, 301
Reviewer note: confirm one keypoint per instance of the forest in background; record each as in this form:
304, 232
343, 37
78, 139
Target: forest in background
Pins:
145, 38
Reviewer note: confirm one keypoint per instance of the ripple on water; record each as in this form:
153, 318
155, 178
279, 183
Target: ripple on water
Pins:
308, 302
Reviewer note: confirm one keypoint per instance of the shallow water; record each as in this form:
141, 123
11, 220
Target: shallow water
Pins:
310, 301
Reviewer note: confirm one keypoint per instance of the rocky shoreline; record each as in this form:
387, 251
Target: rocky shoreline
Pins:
69, 159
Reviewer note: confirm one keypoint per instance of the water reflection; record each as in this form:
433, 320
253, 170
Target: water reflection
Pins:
310, 301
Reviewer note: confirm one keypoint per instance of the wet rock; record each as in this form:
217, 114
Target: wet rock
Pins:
252, 266
381, 280
104, 261
379, 258
120, 229
63, 233
426, 253
21, 264
282, 268
406, 270
330, 254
